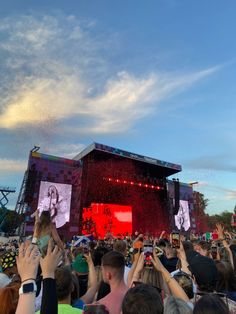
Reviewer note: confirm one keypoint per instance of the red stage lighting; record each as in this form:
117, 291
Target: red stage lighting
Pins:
135, 183
107, 218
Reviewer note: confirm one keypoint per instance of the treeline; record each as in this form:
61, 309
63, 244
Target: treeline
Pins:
9, 220
223, 218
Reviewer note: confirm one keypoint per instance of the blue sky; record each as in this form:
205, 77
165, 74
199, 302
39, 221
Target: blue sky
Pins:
153, 77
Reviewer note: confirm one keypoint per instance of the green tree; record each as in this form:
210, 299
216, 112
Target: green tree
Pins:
223, 218
9, 220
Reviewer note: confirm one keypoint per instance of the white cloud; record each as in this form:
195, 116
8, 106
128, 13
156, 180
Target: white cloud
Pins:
11, 165
125, 100
52, 57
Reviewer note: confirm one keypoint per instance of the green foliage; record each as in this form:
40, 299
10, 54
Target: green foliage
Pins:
223, 218
200, 203
9, 220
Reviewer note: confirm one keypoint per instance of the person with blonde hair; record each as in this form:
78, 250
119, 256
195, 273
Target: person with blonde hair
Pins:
44, 230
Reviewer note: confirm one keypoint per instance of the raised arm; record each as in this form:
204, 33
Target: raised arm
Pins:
132, 269
27, 265
220, 232
36, 225
183, 259
88, 297
173, 285
49, 264
56, 236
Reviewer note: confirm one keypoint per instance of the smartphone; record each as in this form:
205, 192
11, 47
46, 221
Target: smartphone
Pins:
148, 253
175, 240
159, 251
94, 308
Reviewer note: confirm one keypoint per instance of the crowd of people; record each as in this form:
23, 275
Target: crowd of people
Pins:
129, 275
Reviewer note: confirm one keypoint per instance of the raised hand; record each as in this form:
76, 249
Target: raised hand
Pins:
228, 234
157, 263
220, 231
36, 215
140, 263
50, 262
88, 258
181, 252
28, 261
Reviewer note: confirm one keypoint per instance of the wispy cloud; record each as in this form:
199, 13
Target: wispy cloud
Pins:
58, 72
221, 162
218, 192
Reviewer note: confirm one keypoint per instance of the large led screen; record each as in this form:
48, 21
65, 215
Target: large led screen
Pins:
103, 219
182, 219
56, 198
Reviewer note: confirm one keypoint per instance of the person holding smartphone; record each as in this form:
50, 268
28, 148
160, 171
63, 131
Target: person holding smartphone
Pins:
169, 259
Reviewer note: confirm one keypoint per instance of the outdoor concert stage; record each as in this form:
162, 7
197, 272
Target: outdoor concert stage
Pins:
102, 190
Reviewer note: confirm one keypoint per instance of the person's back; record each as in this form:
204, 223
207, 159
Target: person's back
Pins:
113, 264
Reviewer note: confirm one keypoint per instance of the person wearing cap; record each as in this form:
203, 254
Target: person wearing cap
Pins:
84, 268
9, 269
204, 271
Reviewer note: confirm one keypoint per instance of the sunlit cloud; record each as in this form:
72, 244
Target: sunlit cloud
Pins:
11, 165
58, 73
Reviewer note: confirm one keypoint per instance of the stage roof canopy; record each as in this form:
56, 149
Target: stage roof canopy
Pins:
166, 167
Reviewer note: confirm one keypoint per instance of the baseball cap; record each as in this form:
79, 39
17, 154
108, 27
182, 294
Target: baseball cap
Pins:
204, 270
80, 264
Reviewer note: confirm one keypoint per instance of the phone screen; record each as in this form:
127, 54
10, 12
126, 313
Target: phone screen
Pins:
175, 239
93, 308
148, 253
159, 251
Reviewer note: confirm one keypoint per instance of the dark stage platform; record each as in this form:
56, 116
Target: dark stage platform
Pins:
103, 189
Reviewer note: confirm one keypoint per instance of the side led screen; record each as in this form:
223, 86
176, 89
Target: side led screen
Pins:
56, 198
182, 219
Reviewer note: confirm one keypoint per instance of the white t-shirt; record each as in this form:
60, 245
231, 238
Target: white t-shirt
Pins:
126, 272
